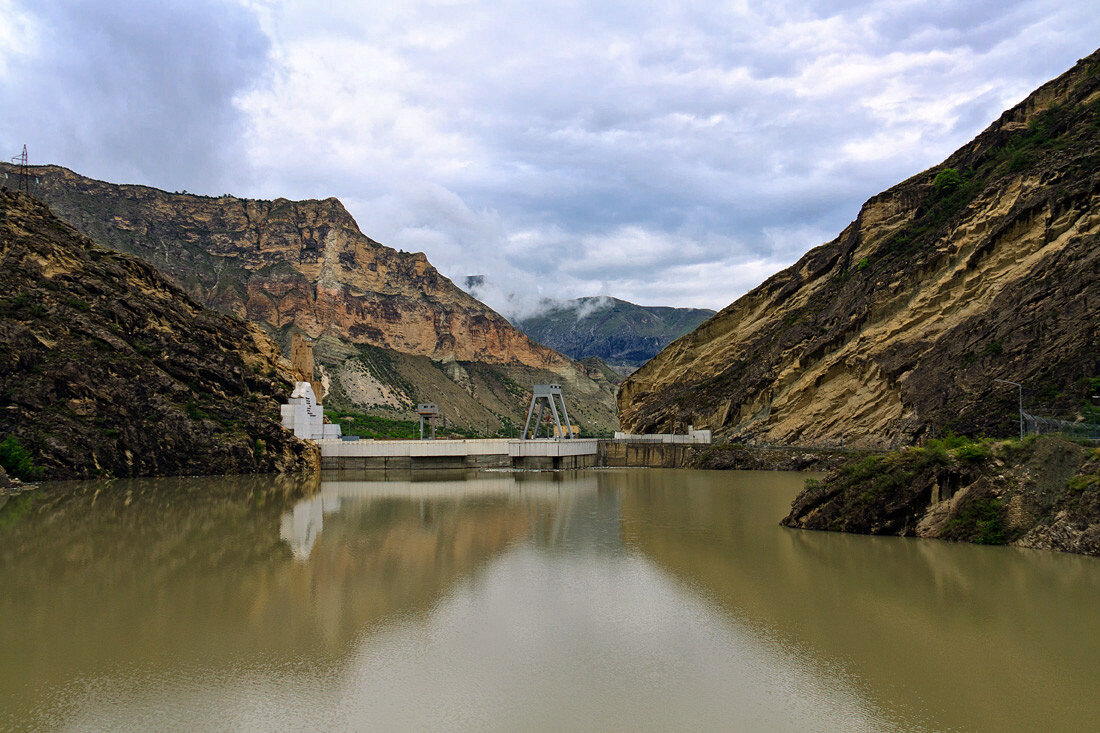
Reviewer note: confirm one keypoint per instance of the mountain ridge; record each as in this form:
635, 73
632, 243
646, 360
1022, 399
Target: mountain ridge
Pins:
621, 333
982, 266
305, 267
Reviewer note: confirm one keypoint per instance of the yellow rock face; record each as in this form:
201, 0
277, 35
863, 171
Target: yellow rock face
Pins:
897, 327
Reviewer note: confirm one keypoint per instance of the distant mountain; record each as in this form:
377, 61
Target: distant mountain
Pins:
620, 333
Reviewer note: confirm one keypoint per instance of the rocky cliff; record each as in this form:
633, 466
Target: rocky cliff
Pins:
106, 368
1042, 493
985, 266
285, 264
620, 333
304, 267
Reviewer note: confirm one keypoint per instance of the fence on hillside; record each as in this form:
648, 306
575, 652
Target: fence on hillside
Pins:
1041, 425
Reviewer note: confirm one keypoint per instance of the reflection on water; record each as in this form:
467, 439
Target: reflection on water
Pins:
588, 600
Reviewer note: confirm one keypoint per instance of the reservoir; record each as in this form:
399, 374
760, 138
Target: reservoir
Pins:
616, 599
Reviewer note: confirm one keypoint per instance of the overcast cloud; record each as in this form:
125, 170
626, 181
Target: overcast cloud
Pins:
664, 153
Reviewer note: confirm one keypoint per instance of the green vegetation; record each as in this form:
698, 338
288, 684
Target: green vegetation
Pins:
372, 426
1044, 131
954, 190
981, 521
16, 460
79, 304
194, 411
947, 180
862, 264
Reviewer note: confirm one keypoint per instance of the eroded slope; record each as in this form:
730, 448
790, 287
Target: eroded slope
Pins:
106, 368
984, 266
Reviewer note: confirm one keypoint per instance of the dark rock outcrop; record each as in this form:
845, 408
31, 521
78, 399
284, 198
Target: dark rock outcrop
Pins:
1042, 493
107, 368
7, 482
740, 457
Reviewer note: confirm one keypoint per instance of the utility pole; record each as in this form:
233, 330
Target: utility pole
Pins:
1019, 387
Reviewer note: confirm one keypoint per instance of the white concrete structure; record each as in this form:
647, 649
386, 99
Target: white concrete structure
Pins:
476, 447
414, 448
305, 417
693, 436
550, 447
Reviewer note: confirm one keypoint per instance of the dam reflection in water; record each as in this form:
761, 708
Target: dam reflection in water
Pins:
582, 600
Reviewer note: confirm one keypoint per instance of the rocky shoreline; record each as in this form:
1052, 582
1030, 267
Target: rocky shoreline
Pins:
8, 483
1041, 493
741, 457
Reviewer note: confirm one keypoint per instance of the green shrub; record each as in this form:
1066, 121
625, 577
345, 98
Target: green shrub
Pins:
949, 441
862, 264
16, 460
980, 521
947, 180
972, 452
1018, 160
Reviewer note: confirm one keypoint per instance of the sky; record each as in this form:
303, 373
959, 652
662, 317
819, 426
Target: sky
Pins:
664, 153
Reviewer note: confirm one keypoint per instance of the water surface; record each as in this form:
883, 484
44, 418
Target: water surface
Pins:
594, 600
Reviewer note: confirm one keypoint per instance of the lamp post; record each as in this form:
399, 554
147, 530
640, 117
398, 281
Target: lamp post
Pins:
1019, 387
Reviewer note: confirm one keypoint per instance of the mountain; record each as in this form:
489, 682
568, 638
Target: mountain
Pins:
620, 333
985, 266
106, 368
390, 330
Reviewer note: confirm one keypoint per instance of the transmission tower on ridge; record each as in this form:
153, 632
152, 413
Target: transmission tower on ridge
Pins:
24, 177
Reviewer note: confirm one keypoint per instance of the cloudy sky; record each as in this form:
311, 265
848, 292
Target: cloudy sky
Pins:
665, 153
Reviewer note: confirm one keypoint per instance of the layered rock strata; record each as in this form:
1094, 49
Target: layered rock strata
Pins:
388, 329
986, 266
291, 264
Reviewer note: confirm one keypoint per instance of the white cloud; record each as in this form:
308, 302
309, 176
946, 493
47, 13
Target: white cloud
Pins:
669, 153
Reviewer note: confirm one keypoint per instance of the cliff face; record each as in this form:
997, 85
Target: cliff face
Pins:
984, 266
620, 333
389, 329
284, 264
106, 368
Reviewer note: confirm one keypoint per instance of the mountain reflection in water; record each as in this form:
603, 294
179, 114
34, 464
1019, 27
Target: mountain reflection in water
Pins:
587, 600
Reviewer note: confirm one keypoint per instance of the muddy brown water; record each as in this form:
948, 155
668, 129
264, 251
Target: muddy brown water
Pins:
595, 600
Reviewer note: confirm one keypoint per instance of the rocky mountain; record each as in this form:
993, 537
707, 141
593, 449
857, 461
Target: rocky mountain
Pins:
389, 329
985, 266
107, 368
620, 333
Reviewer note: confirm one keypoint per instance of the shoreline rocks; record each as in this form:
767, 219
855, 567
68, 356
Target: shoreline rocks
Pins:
1042, 493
